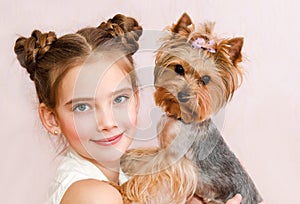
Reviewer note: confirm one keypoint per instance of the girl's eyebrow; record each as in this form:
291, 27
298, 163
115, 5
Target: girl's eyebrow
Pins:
126, 89
75, 100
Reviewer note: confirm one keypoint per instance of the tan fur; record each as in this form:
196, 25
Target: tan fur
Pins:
165, 182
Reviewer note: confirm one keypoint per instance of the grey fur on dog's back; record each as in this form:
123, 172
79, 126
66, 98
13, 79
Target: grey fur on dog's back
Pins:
221, 175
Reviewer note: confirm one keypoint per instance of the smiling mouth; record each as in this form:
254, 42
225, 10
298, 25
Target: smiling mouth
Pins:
109, 141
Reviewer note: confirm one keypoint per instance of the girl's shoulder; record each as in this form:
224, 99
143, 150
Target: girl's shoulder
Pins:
72, 169
91, 191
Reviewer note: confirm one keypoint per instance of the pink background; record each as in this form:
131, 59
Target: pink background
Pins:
261, 122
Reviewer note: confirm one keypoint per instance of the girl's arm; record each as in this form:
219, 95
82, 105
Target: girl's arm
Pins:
91, 191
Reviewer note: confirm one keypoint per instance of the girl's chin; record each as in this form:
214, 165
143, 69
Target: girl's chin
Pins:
107, 156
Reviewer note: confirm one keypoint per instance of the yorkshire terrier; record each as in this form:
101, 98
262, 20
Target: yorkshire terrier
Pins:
196, 74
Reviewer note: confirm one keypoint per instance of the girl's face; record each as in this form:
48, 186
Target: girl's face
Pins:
97, 110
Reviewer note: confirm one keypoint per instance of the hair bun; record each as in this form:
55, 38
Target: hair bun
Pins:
30, 50
127, 28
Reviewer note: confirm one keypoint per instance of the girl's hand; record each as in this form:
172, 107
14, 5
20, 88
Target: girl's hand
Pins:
237, 199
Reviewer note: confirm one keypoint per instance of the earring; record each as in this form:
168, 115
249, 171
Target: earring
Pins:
55, 132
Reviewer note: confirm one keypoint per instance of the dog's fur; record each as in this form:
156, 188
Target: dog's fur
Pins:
192, 83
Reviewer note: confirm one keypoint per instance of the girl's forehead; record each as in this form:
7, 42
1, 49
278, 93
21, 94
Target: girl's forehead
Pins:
91, 78
103, 65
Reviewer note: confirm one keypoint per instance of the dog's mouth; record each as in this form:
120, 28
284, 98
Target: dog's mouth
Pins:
185, 113
188, 115
179, 105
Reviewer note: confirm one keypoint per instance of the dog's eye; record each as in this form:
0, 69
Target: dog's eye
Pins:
205, 79
179, 69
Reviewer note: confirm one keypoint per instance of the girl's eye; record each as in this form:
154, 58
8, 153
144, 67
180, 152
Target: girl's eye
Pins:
81, 108
120, 99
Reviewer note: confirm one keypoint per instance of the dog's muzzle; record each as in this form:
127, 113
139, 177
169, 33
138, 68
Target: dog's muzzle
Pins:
183, 97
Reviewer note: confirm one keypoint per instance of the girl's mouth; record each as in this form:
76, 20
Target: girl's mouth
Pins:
109, 141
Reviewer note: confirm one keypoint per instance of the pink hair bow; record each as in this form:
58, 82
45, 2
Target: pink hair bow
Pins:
201, 43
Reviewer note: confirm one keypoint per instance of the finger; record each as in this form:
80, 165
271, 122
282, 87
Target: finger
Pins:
237, 199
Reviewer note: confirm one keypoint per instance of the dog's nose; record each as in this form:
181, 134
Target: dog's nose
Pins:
183, 97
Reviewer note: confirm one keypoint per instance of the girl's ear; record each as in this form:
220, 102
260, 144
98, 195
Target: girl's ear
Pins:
49, 120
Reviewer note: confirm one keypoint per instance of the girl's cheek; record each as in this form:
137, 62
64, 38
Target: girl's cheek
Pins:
133, 112
133, 120
82, 127
70, 134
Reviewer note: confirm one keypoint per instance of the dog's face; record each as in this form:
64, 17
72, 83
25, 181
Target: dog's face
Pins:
196, 73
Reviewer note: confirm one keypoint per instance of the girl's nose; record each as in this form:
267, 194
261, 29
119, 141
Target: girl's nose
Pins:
105, 120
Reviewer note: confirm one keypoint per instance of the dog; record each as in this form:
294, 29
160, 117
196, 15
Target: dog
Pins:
196, 73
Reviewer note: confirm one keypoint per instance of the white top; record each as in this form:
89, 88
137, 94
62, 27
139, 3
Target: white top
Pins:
71, 169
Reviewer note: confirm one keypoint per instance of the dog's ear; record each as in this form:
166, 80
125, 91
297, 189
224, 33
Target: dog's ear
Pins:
184, 25
234, 49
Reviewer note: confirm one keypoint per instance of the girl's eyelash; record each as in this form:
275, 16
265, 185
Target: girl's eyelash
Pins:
81, 105
124, 97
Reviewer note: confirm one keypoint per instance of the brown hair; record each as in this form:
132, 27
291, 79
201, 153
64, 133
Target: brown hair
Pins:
47, 58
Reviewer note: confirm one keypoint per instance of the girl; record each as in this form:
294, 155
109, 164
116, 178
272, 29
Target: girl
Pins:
87, 91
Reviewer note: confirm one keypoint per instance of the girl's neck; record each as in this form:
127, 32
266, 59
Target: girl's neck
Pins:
110, 170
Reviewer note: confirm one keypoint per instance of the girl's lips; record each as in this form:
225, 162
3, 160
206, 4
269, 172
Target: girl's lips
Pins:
109, 141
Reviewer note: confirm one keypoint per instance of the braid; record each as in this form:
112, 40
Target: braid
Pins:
124, 31
30, 50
